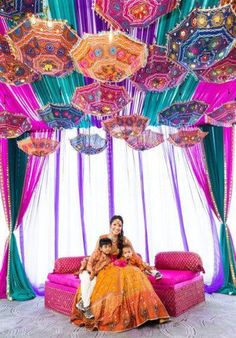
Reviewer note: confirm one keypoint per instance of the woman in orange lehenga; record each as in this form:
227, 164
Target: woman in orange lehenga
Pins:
123, 297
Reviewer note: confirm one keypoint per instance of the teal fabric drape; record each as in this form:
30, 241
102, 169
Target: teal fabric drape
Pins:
216, 164
19, 287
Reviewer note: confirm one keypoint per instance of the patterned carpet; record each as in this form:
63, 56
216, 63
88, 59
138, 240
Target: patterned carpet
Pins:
213, 319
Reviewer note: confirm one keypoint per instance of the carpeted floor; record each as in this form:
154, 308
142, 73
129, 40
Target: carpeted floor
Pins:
216, 318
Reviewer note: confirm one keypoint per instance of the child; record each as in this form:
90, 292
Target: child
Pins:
134, 259
90, 267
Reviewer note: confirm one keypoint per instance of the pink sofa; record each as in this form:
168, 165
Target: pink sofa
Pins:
180, 288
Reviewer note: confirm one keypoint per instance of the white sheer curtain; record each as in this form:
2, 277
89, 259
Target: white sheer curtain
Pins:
162, 220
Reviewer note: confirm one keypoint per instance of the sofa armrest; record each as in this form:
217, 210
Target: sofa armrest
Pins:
67, 264
179, 260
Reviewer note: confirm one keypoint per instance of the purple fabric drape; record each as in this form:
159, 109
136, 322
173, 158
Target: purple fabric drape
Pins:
144, 207
81, 200
56, 197
110, 176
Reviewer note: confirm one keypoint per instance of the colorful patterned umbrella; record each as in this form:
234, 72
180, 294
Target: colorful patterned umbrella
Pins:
203, 38
187, 138
44, 45
146, 140
12, 125
101, 99
38, 146
125, 126
13, 9
89, 144
160, 73
61, 116
182, 114
220, 72
109, 56
13, 71
123, 14
224, 116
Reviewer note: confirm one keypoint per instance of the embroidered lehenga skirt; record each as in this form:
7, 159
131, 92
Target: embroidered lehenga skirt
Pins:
123, 298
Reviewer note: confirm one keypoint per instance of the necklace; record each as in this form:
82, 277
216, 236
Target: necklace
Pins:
114, 240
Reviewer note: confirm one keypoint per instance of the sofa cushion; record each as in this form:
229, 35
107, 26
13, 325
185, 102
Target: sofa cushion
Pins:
172, 277
64, 279
179, 260
67, 264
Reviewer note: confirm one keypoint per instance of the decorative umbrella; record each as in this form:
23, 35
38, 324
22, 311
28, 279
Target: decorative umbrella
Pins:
13, 9
224, 116
203, 38
89, 144
123, 14
220, 72
13, 71
187, 138
109, 56
12, 125
101, 99
125, 126
61, 116
146, 140
38, 146
44, 45
229, 2
182, 114
160, 73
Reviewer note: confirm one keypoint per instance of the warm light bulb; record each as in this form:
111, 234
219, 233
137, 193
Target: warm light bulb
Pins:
110, 35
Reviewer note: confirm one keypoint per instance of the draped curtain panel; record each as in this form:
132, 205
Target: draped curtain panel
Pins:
18, 286
219, 160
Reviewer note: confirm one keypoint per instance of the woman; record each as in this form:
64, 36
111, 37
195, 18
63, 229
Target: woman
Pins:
123, 297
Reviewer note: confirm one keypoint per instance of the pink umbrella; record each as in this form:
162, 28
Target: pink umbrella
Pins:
101, 99
44, 45
123, 14
187, 138
160, 73
146, 140
125, 126
12, 125
224, 116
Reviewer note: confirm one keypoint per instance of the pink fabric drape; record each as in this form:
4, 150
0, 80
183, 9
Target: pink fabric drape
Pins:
4, 180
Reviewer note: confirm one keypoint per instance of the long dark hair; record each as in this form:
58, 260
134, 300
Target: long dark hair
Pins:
120, 236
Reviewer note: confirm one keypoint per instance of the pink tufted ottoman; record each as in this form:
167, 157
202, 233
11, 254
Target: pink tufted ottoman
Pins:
180, 288
182, 284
